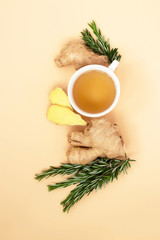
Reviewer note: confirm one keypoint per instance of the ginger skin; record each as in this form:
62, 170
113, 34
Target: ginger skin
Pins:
100, 139
77, 54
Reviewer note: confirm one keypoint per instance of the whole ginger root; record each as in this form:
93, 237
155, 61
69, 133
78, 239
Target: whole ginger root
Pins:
100, 139
77, 54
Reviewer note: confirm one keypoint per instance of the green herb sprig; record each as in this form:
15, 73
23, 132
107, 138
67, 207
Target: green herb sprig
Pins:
99, 45
87, 177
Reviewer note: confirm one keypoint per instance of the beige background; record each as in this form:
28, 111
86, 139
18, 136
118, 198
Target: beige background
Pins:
31, 34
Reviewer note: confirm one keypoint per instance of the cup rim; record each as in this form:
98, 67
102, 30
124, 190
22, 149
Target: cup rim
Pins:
86, 69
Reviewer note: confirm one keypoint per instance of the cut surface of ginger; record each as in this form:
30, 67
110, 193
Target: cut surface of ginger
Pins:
59, 97
64, 116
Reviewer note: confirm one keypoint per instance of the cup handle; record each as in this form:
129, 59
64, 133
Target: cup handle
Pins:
113, 65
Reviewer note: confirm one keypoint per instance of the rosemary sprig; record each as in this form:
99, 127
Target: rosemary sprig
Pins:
87, 177
63, 169
99, 45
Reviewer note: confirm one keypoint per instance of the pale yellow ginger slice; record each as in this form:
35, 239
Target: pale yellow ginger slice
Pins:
59, 97
64, 116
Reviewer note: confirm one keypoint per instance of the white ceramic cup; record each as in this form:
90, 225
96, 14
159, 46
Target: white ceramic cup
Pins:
110, 72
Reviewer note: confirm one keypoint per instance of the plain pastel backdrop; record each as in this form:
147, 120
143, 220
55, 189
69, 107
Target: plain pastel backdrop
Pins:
32, 33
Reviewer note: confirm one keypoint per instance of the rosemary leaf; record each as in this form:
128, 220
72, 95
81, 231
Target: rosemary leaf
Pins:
99, 45
89, 177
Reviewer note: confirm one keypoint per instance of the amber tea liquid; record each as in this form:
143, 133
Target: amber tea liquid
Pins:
94, 91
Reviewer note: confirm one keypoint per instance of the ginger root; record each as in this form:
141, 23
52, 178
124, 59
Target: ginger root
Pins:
59, 97
100, 139
77, 54
63, 115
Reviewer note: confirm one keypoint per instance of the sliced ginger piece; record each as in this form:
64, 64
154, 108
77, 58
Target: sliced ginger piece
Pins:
77, 54
64, 116
59, 97
100, 139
